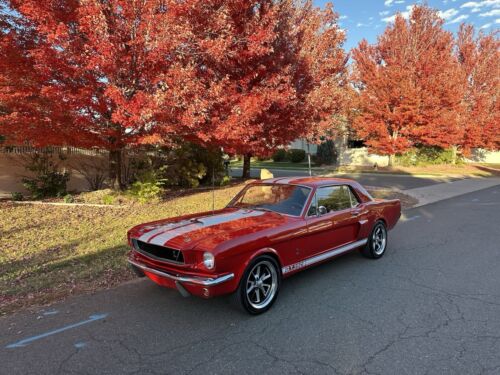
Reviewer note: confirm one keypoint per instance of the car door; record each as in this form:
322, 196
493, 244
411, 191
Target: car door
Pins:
333, 218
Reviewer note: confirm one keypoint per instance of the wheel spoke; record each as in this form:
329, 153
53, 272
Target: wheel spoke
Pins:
252, 287
257, 272
261, 284
265, 289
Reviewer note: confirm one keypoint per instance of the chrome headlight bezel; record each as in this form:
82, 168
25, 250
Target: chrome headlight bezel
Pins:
208, 260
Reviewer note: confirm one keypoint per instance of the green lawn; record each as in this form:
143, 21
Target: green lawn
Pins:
50, 252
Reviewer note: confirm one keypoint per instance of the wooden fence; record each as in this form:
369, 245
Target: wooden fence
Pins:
52, 149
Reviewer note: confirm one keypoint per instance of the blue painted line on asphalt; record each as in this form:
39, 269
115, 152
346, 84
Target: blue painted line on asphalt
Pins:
26, 341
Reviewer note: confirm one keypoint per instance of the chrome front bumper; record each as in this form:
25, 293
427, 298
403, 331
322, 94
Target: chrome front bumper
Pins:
184, 279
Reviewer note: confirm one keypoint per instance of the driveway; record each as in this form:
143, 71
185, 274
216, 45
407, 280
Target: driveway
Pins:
398, 181
431, 305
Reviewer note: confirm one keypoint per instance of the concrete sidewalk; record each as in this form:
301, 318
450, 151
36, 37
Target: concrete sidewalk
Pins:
438, 192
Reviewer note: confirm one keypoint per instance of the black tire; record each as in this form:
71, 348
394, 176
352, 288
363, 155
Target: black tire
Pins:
377, 242
252, 289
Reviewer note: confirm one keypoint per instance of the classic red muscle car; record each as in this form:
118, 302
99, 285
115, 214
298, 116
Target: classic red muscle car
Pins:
270, 230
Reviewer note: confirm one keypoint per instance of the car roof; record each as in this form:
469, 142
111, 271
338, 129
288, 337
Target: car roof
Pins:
307, 181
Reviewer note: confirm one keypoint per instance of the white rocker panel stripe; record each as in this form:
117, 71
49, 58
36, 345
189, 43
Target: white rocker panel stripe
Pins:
319, 258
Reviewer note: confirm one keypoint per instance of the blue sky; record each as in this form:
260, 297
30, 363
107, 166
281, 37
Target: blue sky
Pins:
368, 18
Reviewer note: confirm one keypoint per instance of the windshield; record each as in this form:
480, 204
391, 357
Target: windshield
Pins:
281, 198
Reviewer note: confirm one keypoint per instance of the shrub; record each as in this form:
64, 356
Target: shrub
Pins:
326, 153
48, 181
408, 159
149, 188
145, 192
108, 199
68, 198
187, 165
279, 155
95, 172
426, 155
226, 180
213, 161
17, 196
296, 155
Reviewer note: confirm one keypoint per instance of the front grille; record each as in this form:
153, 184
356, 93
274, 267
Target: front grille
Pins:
158, 252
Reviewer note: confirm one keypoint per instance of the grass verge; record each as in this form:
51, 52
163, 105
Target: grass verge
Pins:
50, 252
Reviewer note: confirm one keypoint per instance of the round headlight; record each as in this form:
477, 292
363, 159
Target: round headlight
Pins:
208, 260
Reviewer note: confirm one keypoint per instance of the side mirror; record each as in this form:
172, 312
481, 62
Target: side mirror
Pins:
322, 210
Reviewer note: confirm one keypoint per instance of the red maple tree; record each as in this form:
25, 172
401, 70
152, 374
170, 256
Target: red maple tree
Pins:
409, 86
227, 73
479, 58
116, 72
272, 65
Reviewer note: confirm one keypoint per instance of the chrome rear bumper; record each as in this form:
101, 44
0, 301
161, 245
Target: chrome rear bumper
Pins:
184, 279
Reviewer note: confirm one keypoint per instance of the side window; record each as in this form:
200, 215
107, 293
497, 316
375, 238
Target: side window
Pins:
313, 207
354, 199
334, 198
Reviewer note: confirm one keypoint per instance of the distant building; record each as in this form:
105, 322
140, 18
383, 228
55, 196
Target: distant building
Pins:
302, 144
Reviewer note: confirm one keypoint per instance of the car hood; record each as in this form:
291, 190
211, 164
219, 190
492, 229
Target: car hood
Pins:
208, 230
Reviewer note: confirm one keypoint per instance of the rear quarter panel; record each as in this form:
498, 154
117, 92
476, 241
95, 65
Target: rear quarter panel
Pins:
387, 210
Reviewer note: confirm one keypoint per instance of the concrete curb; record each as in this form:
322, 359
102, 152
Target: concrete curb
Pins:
435, 193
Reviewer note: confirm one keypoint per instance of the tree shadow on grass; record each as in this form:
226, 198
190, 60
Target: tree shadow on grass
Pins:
63, 277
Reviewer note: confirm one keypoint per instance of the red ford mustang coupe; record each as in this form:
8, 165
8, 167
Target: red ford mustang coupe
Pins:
269, 231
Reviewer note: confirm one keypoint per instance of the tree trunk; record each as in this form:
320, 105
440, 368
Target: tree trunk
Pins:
454, 151
246, 166
392, 159
115, 169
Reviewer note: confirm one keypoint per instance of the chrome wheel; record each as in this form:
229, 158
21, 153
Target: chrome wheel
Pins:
379, 240
261, 284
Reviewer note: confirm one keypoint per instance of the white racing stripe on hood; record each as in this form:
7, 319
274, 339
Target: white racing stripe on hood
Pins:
145, 237
200, 223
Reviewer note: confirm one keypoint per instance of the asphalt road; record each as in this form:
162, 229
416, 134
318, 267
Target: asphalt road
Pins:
400, 181
431, 305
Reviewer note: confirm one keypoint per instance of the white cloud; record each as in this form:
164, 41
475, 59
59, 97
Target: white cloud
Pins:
491, 13
389, 19
343, 17
481, 4
405, 15
384, 13
497, 20
459, 18
447, 14
485, 26
399, 2
362, 24
388, 3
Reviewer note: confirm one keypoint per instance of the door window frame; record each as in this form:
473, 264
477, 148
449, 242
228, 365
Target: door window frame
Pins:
314, 200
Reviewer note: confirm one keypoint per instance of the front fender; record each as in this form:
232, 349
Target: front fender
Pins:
242, 261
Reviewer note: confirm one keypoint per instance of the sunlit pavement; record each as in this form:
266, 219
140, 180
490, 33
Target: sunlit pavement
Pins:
431, 305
